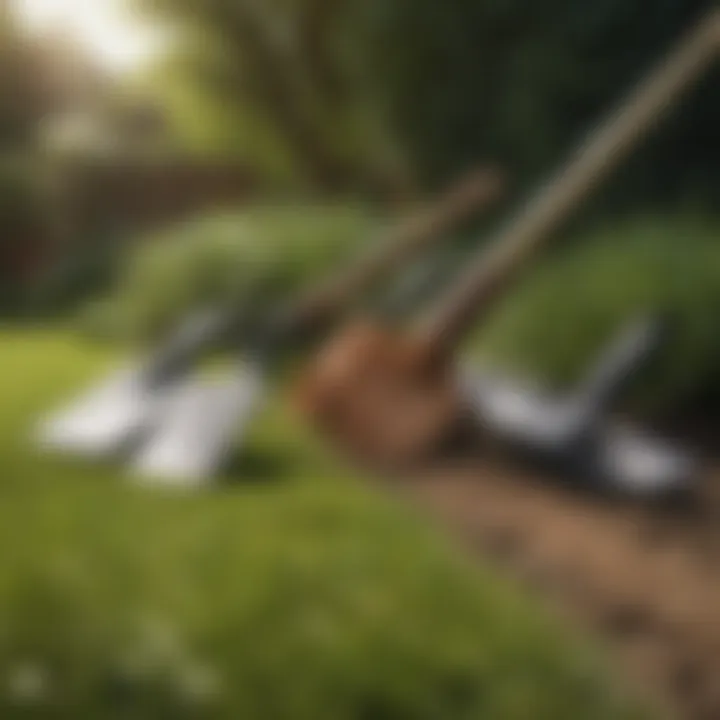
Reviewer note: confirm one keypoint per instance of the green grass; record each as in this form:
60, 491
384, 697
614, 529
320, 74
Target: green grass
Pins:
292, 591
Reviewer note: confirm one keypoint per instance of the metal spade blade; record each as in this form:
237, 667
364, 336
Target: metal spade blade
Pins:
199, 425
105, 419
116, 411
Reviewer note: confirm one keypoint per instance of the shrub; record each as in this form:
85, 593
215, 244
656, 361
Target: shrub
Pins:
253, 256
562, 315
24, 210
86, 268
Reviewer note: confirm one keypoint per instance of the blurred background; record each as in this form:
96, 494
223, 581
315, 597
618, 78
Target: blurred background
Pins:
156, 155
125, 123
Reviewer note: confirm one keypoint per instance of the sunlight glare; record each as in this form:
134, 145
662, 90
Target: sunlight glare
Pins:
104, 27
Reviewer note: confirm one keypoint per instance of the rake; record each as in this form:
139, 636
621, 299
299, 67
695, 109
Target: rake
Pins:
177, 426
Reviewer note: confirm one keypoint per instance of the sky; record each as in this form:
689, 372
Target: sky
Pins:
117, 40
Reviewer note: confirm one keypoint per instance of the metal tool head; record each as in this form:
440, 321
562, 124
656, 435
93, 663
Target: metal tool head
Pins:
529, 413
638, 464
104, 420
572, 432
115, 412
197, 428
523, 413
627, 354
556, 433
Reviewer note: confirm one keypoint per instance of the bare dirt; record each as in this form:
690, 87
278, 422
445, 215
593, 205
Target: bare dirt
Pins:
644, 578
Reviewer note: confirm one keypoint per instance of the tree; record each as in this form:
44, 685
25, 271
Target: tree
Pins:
270, 68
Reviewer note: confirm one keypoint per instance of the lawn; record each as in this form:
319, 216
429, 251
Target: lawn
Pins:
294, 590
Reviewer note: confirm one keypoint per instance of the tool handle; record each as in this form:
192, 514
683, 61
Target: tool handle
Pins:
594, 160
474, 193
317, 306
609, 377
419, 284
189, 342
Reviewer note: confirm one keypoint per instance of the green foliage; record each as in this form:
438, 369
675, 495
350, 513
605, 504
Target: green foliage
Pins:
368, 87
294, 592
26, 216
206, 122
66, 259
524, 81
563, 314
278, 88
23, 196
252, 257
84, 270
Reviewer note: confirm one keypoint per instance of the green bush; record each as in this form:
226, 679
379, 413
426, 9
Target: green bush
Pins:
561, 316
293, 592
253, 256
21, 196
24, 220
85, 269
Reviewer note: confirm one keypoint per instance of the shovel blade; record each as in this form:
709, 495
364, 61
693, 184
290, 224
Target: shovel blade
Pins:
116, 411
104, 420
199, 423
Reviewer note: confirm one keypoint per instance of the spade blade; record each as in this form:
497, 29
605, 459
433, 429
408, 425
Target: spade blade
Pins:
115, 412
200, 422
104, 420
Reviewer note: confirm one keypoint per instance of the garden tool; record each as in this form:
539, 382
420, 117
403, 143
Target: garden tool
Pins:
204, 417
109, 418
115, 415
553, 423
395, 398
571, 433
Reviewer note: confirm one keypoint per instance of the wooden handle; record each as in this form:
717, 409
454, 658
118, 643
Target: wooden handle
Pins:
474, 193
592, 163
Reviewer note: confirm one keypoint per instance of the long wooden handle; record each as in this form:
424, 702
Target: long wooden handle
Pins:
472, 194
320, 305
591, 164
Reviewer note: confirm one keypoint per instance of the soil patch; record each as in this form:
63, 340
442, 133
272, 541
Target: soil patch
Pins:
646, 578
